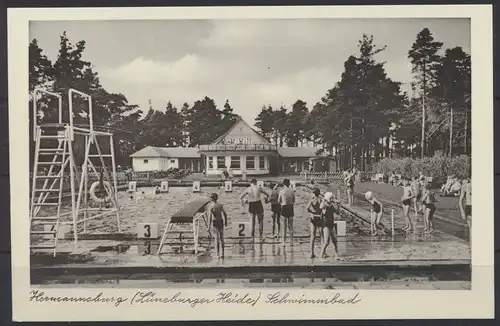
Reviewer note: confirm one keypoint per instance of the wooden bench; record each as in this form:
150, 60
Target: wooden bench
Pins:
191, 214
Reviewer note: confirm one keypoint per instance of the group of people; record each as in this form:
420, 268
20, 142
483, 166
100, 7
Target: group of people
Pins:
282, 201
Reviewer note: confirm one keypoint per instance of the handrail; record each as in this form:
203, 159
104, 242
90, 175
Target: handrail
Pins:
70, 101
56, 95
238, 147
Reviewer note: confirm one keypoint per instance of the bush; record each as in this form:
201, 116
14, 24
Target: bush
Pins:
436, 167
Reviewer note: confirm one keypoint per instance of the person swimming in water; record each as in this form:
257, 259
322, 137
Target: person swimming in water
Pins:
376, 213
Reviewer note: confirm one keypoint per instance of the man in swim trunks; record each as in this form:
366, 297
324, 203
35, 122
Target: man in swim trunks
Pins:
407, 201
275, 209
255, 207
216, 213
316, 220
287, 200
466, 192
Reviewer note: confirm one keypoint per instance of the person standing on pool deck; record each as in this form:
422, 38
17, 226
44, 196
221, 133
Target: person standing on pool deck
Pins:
275, 209
316, 220
349, 181
429, 203
255, 207
417, 186
216, 213
329, 209
466, 193
376, 213
287, 200
407, 200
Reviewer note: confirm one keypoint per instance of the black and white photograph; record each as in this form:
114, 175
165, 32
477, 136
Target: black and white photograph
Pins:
267, 160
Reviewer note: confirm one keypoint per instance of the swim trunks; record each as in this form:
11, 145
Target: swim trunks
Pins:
407, 202
376, 207
218, 224
317, 221
287, 211
430, 206
255, 207
468, 210
276, 208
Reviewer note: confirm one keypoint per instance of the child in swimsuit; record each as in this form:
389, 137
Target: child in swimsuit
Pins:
349, 181
316, 220
428, 201
376, 212
407, 200
416, 186
275, 209
329, 209
216, 213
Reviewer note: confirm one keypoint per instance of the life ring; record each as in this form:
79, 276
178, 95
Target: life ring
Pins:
92, 193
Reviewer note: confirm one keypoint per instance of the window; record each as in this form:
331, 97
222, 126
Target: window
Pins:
235, 162
262, 163
250, 163
172, 161
221, 162
145, 161
210, 162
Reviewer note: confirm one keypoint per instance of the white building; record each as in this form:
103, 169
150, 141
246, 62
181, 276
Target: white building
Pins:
163, 158
242, 149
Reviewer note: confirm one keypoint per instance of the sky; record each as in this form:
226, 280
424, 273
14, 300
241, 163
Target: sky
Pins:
249, 62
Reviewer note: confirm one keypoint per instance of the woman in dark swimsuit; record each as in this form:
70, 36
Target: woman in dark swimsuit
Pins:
316, 221
376, 213
428, 201
329, 208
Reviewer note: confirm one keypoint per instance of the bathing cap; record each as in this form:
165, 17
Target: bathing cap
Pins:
368, 195
328, 196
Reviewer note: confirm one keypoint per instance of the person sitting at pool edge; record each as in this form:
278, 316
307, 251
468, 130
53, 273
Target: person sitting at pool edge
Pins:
216, 213
287, 200
255, 208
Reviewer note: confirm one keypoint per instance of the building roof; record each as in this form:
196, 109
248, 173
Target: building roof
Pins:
298, 151
240, 119
169, 152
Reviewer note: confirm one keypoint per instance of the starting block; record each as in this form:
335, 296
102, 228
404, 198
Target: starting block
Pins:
196, 186
190, 215
164, 186
241, 229
260, 183
132, 186
148, 231
228, 186
341, 228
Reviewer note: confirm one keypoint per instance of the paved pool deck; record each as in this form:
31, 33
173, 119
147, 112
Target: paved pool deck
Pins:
413, 254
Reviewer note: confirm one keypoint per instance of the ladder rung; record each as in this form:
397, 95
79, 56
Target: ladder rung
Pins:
47, 177
45, 218
103, 155
50, 150
42, 232
47, 190
53, 125
50, 163
51, 153
52, 137
50, 246
45, 204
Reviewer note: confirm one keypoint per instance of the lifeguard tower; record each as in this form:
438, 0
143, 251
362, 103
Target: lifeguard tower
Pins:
54, 158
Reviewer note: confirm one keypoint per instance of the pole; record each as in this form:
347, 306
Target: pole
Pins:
392, 222
423, 126
451, 131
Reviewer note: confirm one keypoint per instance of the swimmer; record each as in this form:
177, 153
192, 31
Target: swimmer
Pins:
275, 209
216, 213
466, 193
376, 213
416, 187
428, 201
287, 200
329, 208
316, 221
255, 208
407, 200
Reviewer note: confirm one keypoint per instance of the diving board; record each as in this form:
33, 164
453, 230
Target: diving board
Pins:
191, 214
